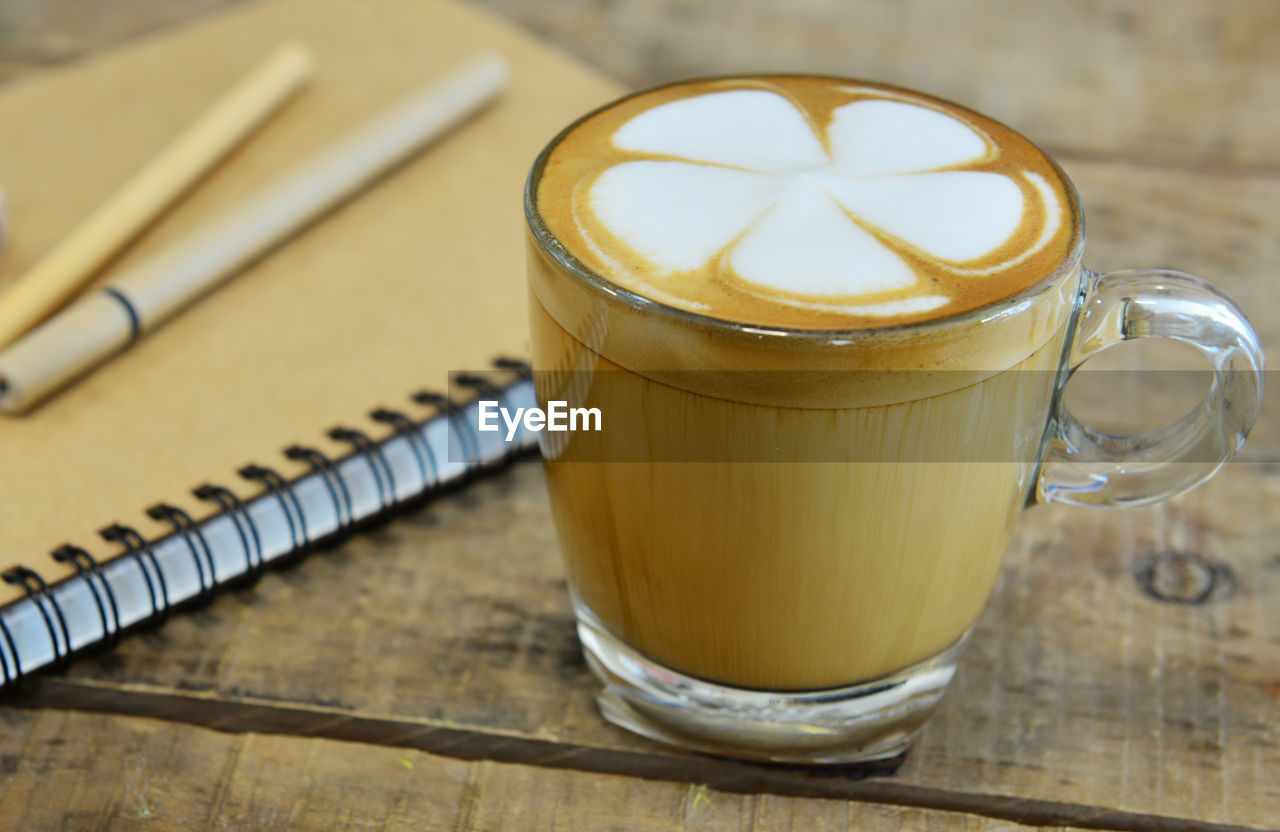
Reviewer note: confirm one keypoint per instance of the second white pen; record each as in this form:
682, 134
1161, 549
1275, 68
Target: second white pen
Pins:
93, 329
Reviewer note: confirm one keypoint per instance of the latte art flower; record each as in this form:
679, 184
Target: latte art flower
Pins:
839, 213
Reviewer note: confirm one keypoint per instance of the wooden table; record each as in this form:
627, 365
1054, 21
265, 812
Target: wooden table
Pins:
1126, 674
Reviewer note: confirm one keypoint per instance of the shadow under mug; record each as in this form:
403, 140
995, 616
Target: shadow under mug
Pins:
810, 606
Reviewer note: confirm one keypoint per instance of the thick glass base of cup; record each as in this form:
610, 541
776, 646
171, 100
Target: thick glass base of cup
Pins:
873, 720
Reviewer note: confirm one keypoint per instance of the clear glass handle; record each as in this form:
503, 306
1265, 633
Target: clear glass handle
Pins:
1085, 466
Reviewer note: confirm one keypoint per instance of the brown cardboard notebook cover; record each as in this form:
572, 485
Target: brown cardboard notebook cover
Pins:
421, 275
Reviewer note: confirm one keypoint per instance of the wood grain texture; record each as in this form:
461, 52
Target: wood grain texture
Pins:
1175, 82
1091, 693
449, 631
65, 770
36, 33
1182, 82
1223, 227
1082, 699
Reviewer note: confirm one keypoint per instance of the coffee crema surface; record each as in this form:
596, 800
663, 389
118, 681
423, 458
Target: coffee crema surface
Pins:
806, 202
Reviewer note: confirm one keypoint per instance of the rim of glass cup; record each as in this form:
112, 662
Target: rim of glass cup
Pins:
994, 310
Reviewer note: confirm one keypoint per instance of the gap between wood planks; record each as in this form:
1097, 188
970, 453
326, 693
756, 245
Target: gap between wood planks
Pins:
245, 715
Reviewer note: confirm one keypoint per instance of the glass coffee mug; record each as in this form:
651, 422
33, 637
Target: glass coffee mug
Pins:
781, 536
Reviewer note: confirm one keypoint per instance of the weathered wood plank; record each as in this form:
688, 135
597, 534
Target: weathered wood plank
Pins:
1179, 81
65, 770
451, 628
1223, 227
1183, 82
37, 32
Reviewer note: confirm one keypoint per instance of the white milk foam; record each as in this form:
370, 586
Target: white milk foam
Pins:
744, 175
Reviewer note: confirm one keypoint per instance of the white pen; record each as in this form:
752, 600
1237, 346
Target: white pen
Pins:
107, 321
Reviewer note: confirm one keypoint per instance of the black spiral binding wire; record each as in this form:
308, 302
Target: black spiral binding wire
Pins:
333, 480
467, 437
142, 552
137, 547
412, 433
516, 365
235, 509
279, 488
40, 595
486, 388
14, 680
377, 460
190, 532
524, 372
88, 569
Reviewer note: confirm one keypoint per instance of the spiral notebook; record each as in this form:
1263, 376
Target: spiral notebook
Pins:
241, 434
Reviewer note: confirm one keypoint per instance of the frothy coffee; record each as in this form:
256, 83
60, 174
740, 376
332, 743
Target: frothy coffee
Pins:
806, 202
801, 220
